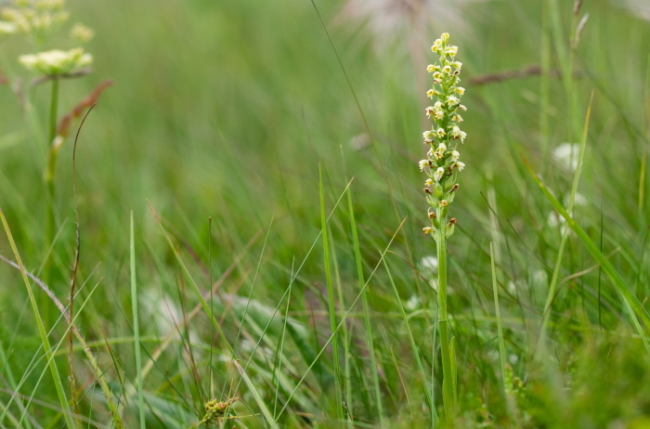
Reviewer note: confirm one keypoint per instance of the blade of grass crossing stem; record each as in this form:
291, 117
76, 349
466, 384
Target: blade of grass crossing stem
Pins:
63, 400
632, 304
414, 346
330, 295
366, 310
258, 399
565, 234
343, 319
136, 327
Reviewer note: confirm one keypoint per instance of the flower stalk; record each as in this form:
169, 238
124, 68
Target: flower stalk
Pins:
441, 168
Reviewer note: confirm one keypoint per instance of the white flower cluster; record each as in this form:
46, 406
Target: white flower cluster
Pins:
443, 159
35, 17
56, 62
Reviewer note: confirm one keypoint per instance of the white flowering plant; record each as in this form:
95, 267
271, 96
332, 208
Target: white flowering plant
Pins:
441, 167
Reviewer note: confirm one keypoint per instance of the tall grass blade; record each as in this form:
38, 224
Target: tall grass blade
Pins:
258, 399
136, 327
330, 297
63, 400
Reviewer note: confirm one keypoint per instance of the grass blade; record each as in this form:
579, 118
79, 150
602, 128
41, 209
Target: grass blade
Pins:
63, 400
632, 304
258, 399
136, 327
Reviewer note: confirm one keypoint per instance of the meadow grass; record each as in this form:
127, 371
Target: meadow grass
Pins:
255, 164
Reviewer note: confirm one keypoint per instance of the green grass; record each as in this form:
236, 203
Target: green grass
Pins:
312, 307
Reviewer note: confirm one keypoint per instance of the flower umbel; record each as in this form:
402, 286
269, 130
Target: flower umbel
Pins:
56, 62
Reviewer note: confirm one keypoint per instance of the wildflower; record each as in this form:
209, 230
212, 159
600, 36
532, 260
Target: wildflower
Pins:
430, 93
452, 100
441, 133
456, 133
460, 165
428, 134
412, 304
455, 155
457, 118
566, 154
428, 182
427, 230
460, 90
446, 70
442, 147
429, 111
438, 174
81, 33
429, 263
56, 62
444, 203
452, 51
7, 28
457, 65
424, 163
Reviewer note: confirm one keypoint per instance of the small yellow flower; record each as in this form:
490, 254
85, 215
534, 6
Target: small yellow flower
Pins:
460, 90
428, 182
430, 93
455, 155
453, 100
452, 50
424, 163
427, 230
441, 133
444, 37
460, 166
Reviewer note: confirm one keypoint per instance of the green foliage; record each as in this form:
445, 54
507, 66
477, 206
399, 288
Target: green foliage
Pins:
225, 110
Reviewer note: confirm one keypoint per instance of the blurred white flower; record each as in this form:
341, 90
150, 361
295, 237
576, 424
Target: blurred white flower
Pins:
413, 303
539, 278
512, 288
56, 62
640, 8
390, 20
513, 359
566, 155
554, 219
579, 200
7, 28
81, 33
429, 263
163, 312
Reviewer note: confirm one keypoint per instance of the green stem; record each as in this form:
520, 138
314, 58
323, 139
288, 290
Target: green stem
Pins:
448, 395
50, 223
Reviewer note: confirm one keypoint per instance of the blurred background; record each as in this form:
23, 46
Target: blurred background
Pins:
225, 110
